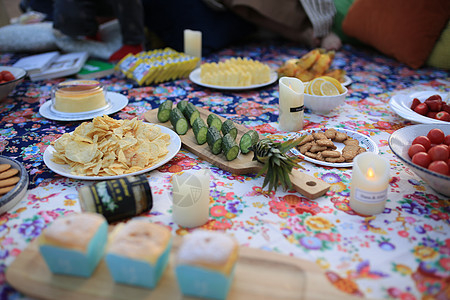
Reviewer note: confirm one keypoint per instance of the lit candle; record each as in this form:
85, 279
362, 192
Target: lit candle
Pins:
291, 93
191, 198
370, 181
193, 43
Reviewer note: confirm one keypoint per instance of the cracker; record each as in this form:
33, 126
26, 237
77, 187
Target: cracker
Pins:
326, 143
351, 142
4, 167
330, 133
319, 135
4, 190
340, 137
8, 173
330, 153
306, 139
9, 181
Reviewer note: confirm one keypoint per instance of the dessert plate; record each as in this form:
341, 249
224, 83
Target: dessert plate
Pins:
401, 105
115, 101
195, 78
363, 140
64, 170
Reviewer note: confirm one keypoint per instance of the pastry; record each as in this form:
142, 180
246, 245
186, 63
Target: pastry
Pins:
138, 253
73, 244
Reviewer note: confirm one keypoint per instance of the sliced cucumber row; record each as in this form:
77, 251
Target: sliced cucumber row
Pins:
164, 110
191, 113
178, 121
214, 120
214, 139
229, 147
229, 127
248, 139
200, 129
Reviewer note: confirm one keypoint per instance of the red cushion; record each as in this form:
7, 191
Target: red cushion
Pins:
404, 29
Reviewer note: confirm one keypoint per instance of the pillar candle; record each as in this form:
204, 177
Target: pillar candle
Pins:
191, 198
291, 93
193, 43
370, 182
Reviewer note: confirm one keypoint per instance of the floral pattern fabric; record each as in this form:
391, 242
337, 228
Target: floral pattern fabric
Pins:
402, 253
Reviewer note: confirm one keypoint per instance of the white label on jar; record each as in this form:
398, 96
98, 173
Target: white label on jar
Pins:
370, 197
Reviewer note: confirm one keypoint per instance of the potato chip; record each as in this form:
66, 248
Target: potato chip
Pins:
109, 147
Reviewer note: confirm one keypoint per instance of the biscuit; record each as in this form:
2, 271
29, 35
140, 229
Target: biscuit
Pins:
351, 142
8, 173
327, 143
339, 159
4, 167
319, 135
306, 139
340, 137
330, 153
310, 154
4, 190
304, 148
9, 181
317, 148
330, 133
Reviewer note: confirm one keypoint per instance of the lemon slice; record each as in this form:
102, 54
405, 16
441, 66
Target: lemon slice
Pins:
328, 89
314, 86
334, 81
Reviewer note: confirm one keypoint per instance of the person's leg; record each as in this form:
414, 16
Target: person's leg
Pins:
168, 19
75, 17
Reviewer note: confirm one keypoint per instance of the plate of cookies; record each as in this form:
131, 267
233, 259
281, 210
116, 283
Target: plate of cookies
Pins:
13, 183
333, 147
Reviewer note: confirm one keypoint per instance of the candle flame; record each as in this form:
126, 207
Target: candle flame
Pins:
370, 173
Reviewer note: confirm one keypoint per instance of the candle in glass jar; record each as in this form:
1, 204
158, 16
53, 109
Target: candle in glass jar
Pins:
193, 43
291, 94
191, 198
370, 182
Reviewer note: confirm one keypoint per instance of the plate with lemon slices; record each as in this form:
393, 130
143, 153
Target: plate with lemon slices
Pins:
323, 94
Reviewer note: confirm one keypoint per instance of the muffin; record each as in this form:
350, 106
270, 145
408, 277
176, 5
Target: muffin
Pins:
205, 264
138, 252
74, 244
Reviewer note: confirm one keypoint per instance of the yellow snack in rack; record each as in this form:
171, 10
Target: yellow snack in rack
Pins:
235, 72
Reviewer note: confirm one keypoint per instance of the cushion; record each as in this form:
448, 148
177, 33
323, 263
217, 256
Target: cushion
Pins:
342, 7
404, 29
37, 37
440, 56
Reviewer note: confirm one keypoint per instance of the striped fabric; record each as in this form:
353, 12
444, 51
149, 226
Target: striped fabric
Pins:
321, 14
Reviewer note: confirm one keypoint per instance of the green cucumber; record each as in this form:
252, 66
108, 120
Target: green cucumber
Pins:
214, 139
229, 127
191, 113
182, 105
164, 110
249, 139
214, 120
229, 147
200, 129
178, 121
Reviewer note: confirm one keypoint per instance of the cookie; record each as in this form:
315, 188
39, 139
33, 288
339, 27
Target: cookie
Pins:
8, 173
9, 181
4, 190
4, 167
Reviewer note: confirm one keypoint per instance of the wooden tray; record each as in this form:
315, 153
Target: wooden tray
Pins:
259, 275
305, 184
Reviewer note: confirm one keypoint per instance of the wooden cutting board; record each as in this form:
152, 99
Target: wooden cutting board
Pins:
259, 275
305, 184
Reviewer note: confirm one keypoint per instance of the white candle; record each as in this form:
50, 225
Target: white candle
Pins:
370, 181
191, 198
291, 93
193, 43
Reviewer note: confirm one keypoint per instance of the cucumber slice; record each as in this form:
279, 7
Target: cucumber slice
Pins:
214, 139
191, 113
214, 120
229, 147
229, 127
200, 129
164, 111
249, 139
182, 105
178, 121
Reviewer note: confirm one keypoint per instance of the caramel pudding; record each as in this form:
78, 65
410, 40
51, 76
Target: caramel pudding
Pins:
78, 96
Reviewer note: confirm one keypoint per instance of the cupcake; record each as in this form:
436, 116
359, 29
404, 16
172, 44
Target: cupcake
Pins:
138, 252
74, 244
205, 264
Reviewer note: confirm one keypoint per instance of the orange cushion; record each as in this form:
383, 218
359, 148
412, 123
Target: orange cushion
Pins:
404, 29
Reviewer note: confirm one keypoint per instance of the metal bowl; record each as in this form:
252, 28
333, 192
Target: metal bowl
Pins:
10, 199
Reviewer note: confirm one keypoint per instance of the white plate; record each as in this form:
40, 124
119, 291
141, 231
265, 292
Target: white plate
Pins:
115, 101
195, 78
363, 140
401, 105
64, 170
347, 81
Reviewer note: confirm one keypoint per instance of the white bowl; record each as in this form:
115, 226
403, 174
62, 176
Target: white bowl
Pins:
401, 140
8, 87
324, 104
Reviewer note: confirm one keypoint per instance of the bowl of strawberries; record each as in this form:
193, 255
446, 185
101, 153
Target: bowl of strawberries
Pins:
10, 77
425, 149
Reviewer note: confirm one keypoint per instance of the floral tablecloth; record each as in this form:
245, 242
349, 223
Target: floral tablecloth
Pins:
402, 253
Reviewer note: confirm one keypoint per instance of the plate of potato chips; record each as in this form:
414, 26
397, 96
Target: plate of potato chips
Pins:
106, 148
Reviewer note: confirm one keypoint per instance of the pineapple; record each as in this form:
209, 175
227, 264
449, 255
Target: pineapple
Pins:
277, 165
